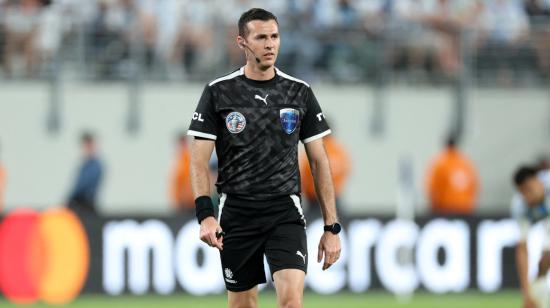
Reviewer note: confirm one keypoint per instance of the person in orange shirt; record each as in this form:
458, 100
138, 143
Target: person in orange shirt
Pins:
339, 167
452, 182
180, 184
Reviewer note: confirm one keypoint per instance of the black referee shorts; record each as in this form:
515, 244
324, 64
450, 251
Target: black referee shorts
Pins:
274, 228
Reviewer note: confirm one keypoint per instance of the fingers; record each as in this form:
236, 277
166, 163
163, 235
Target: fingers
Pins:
330, 258
329, 250
213, 238
214, 241
211, 233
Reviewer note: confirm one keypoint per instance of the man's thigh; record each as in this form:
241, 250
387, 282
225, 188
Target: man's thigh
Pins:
286, 248
242, 254
289, 281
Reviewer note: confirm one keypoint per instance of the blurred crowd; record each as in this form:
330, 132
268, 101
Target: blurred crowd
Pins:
345, 39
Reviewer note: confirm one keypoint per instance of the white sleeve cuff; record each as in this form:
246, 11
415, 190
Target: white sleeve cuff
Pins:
203, 135
321, 135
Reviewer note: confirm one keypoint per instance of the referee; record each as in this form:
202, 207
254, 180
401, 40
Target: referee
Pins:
254, 117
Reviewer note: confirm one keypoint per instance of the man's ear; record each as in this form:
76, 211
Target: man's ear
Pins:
241, 42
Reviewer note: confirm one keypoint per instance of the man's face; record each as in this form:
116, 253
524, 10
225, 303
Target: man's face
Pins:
88, 147
532, 191
263, 39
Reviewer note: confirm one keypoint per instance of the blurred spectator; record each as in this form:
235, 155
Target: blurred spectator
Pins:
412, 42
447, 19
180, 183
147, 30
2, 185
373, 14
20, 23
49, 33
333, 20
431, 32
111, 30
166, 18
3, 7
503, 38
196, 42
506, 22
339, 167
83, 196
452, 182
543, 162
539, 19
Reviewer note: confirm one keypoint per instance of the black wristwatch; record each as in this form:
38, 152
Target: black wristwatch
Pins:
335, 228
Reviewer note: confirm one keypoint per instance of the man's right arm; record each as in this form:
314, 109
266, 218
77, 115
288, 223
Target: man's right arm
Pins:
522, 268
201, 150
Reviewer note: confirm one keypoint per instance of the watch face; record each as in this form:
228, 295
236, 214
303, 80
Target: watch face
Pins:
336, 228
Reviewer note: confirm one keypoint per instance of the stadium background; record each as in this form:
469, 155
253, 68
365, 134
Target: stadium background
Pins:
394, 78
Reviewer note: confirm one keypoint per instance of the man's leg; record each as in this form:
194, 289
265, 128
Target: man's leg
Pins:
544, 264
244, 299
286, 252
539, 289
289, 284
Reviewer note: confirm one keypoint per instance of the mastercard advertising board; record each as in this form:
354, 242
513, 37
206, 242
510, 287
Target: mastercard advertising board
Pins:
44, 256
55, 255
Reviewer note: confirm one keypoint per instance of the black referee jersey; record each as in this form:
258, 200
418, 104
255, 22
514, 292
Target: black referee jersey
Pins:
257, 126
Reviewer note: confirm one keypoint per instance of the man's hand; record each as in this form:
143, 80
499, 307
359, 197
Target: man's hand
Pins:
209, 228
528, 302
329, 247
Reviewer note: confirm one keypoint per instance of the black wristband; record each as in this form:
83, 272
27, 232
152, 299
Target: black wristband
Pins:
203, 208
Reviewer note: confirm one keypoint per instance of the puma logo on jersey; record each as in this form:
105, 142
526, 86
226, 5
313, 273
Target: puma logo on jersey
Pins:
299, 253
261, 98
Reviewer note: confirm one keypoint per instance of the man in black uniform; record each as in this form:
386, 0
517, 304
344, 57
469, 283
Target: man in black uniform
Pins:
255, 118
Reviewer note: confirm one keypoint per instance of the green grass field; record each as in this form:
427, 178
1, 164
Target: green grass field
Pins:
267, 300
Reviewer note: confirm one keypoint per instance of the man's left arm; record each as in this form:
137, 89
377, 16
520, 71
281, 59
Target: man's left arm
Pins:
329, 245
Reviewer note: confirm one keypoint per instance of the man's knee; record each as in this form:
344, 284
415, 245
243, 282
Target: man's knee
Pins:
289, 284
290, 300
245, 299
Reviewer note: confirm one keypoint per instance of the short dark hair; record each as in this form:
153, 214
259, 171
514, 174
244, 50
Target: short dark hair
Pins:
87, 137
452, 140
523, 173
254, 14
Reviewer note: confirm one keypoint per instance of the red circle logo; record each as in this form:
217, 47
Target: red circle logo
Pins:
43, 256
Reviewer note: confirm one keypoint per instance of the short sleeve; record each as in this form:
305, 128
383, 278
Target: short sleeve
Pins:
544, 176
519, 214
314, 124
203, 121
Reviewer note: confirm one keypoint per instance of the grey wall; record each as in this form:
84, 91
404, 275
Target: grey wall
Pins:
504, 128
